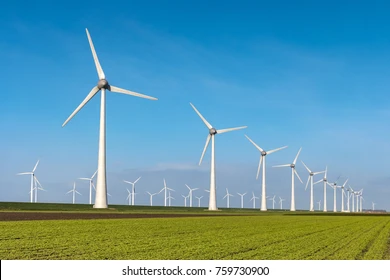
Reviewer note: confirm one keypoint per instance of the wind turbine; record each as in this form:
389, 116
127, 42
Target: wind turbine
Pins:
165, 189
254, 200
373, 206
32, 180
242, 199
311, 174
319, 205
212, 132
102, 86
262, 160
349, 190
353, 198
199, 198
281, 202
129, 196
185, 200
342, 195
273, 201
169, 198
90, 185
74, 192
361, 200
132, 189
334, 186
36, 188
190, 193
227, 197
325, 180
293, 171
151, 197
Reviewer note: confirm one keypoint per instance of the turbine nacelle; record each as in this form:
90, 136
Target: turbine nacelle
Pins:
103, 83
292, 165
263, 153
212, 131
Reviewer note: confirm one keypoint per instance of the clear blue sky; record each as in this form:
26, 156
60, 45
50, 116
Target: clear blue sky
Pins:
303, 74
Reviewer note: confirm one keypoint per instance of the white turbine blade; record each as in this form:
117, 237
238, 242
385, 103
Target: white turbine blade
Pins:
295, 160
319, 181
93, 185
137, 179
85, 101
188, 187
275, 150
326, 171
203, 119
94, 174
258, 168
95, 58
220, 131
170, 189
307, 168
125, 91
149, 193
127, 182
36, 179
282, 165
69, 191
24, 173
345, 182
296, 173
307, 183
258, 147
128, 191
225, 196
330, 185
205, 148
84, 179
35, 167
78, 192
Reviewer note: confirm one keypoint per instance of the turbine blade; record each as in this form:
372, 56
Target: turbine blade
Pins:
258, 147
84, 179
94, 174
220, 131
282, 165
203, 119
275, 150
127, 182
326, 171
95, 58
307, 168
24, 173
137, 179
295, 160
78, 192
345, 182
85, 101
205, 148
125, 91
258, 168
319, 181
188, 187
307, 183
36, 179
319, 172
296, 173
35, 167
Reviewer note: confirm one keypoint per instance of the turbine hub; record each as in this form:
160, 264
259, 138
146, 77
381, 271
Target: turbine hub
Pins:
103, 84
212, 131
292, 165
263, 153
325, 180
311, 174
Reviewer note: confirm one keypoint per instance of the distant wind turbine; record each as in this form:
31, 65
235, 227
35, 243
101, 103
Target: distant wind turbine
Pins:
342, 195
373, 206
227, 198
281, 202
32, 180
319, 205
199, 198
190, 193
311, 174
293, 171
254, 200
151, 197
273, 201
90, 185
102, 86
169, 198
165, 189
132, 188
262, 161
74, 192
325, 180
242, 199
185, 199
212, 132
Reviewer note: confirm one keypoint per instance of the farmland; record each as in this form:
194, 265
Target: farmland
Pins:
248, 235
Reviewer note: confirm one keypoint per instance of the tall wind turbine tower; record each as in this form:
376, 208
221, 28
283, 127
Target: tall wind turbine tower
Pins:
32, 180
132, 189
311, 174
254, 200
342, 195
190, 193
242, 199
227, 198
90, 185
165, 189
262, 160
293, 171
212, 132
325, 180
102, 86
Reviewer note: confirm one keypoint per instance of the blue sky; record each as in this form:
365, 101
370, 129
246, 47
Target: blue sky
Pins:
303, 74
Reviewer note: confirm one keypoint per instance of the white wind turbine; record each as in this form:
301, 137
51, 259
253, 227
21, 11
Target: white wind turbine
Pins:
373, 206
293, 171
361, 200
334, 186
199, 198
37, 187
343, 194
319, 205
349, 190
132, 189
185, 199
190, 193
311, 174
353, 198
151, 197
242, 199
74, 192
254, 200
32, 180
262, 161
273, 201
325, 180
129, 196
90, 185
169, 198
281, 202
165, 189
102, 86
227, 198
212, 132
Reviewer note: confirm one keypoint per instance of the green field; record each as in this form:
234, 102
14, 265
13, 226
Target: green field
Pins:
272, 235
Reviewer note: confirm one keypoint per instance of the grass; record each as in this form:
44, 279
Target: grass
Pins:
270, 235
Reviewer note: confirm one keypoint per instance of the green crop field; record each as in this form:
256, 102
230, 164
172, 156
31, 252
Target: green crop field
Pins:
271, 235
